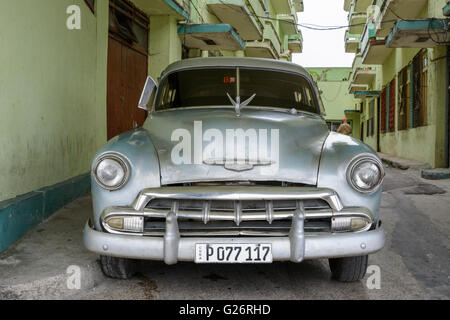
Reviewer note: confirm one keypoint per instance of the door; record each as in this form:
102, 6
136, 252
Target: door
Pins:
378, 124
127, 67
362, 131
447, 111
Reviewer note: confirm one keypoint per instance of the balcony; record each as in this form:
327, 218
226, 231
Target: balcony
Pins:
356, 87
375, 52
210, 37
282, 6
446, 10
424, 33
364, 75
269, 47
178, 8
407, 9
351, 42
357, 22
261, 49
298, 5
347, 5
295, 43
361, 5
237, 14
373, 49
288, 23
366, 94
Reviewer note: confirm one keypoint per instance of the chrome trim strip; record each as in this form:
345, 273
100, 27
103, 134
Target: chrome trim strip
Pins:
235, 194
171, 239
297, 236
152, 248
230, 216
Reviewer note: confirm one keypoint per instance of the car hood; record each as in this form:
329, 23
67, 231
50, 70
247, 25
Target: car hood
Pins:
299, 137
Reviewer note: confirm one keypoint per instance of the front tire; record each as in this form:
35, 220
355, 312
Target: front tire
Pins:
349, 269
118, 268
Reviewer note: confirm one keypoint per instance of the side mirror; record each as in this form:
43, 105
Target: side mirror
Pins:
147, 93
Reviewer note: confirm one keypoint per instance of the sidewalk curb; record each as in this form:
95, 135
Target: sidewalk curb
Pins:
435, 174
55, 287
402, 164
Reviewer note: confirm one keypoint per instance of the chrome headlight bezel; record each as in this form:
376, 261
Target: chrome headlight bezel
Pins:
358, 161
123, 162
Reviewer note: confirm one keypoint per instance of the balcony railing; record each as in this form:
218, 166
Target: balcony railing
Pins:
361, 5
347, 5
373, 49
295, 43
239, 14
389, 10
369, 33
352, 42
356, 20
288, 23
282, 6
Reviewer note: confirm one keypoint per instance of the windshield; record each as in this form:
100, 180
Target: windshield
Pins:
209, 87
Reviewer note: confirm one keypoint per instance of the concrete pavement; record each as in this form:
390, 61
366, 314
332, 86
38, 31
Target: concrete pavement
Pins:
413, 265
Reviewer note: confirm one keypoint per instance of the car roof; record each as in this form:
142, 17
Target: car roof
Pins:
258, 63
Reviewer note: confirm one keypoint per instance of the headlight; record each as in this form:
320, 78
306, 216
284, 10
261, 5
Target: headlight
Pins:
365, 174
111, 171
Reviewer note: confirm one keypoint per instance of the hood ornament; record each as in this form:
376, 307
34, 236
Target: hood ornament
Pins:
238, 105
238, 165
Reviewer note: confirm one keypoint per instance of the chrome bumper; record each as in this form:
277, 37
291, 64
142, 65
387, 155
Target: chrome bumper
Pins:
172, 248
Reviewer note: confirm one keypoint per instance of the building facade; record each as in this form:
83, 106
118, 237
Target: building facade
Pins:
400, 76
71, 72
338, 102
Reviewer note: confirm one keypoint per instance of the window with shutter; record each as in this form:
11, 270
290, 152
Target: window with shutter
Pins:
391, 124
403, 98
383, 111
419, 90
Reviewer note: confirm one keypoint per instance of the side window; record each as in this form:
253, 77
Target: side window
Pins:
308, 97
419, 90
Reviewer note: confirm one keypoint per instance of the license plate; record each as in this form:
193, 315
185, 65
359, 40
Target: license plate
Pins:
233, 253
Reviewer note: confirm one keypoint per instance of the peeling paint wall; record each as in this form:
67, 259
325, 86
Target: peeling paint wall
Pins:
52, 92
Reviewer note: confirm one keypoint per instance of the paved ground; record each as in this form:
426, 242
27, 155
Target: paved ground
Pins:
413, 265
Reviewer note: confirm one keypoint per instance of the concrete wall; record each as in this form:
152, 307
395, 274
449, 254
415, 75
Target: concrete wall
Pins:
52, 93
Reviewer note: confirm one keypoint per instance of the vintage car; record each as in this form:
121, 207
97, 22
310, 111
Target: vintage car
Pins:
235, 164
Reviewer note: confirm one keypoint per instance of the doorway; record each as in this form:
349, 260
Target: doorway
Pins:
447, 113
378, 124
127, 66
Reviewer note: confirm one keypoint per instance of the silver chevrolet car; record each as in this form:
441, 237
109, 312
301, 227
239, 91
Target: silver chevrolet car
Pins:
235, 164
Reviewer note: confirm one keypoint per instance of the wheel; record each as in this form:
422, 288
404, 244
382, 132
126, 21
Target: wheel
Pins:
118, 268
349, 269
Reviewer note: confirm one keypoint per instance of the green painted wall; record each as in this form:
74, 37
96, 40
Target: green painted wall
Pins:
425, 144
52, 93
53, 85
336, 99
165, 45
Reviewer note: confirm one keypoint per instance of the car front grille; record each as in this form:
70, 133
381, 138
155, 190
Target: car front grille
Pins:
208, 211
235, 218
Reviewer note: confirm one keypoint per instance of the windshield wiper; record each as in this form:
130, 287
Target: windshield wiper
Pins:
238, 105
